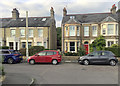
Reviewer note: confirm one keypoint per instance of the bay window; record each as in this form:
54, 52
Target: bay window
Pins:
110, 29
71, 30
72, 46
78, 31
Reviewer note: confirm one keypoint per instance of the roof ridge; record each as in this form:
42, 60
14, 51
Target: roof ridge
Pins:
90, 13
28, 17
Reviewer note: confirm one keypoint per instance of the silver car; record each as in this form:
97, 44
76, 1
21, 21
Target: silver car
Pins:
104, 57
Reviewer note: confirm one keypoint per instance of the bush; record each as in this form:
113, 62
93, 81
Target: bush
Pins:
33, 50
71, 54
4, 47
115, 50
81, 51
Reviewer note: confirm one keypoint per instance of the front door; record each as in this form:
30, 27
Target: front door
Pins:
86, 48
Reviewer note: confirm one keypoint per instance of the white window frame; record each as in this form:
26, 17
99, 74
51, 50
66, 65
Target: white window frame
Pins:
22, 34
78, 31
71, 30
40, 43
30, 35
66, 31
94, 30
116, 29
86, 31
12, 33
40, 32
112, 31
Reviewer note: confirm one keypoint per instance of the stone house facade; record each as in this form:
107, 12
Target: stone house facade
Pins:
83, 29
41, 31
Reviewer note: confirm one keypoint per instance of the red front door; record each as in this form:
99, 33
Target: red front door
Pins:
86, 48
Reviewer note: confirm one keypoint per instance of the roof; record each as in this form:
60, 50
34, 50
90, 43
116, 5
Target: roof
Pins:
21, 22
90, 18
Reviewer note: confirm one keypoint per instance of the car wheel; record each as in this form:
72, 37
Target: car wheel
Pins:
10, 61
112, 62
54, 62
32, 62
86, 62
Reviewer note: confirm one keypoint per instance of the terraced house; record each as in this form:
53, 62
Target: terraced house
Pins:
41, 31
82, 29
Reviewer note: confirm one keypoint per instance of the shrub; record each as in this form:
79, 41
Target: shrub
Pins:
35, 49
115, 50
81, 51
32, 50
71, 54
4, 47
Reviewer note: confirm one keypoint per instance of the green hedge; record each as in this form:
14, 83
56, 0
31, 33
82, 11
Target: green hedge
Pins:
115, 50
71, 54
33, 50
4, 47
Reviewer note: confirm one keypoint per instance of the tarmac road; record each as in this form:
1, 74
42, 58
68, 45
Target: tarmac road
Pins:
64, 73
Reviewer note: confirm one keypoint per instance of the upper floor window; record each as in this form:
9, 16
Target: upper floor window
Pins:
116, 29
86, 31
12, 32
104, 31
78, 31
110, 29
71, 30
30, 32
66, 31
39, 43
40, 32
22, 32
94, 30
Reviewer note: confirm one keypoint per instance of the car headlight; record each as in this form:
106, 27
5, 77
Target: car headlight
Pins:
81, 58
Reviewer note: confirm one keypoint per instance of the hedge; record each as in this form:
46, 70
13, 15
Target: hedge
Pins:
115, 50
4, 47
33, 50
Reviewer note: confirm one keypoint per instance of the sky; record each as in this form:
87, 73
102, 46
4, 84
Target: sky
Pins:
41, 8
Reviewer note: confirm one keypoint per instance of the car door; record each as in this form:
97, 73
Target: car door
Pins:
94, 57
49, 56
104, 56
40, 57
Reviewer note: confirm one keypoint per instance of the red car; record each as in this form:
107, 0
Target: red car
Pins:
47, 56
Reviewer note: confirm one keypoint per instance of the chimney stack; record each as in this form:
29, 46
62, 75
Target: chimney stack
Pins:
113, 9
64, 12
15, 14
52, 12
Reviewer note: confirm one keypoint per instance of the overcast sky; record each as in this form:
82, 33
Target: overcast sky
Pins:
41, 8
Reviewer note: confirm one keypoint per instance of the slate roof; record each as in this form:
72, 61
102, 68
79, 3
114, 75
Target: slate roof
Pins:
89, 18
21, 22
